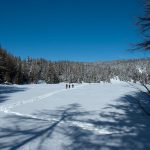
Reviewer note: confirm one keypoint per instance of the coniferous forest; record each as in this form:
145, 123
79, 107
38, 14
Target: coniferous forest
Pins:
13, 70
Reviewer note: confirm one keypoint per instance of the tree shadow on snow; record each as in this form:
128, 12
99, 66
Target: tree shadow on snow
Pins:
127, 125
26, 129
5, 91
123, 125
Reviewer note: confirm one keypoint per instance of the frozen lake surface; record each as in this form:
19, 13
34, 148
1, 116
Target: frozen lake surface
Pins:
104, 116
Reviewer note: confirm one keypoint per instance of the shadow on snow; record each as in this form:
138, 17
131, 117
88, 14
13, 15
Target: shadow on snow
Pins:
128, 124
6, 90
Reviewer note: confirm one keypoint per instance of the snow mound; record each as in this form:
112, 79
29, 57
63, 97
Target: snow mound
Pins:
115, 80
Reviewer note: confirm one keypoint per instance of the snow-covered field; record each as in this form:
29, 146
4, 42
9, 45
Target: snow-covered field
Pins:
92, 116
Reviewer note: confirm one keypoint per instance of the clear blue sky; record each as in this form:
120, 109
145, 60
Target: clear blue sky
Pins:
81, 30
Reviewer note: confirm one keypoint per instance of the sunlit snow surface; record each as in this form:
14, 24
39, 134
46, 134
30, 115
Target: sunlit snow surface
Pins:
104, 116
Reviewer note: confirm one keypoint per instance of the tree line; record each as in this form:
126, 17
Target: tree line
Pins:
16, 71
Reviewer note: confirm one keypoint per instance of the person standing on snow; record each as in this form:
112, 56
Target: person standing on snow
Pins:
66, 86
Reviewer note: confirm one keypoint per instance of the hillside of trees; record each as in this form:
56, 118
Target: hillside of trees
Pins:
16, 71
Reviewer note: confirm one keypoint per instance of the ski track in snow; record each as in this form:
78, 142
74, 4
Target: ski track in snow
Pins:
38, 98
6, 107
86, 126
83, 125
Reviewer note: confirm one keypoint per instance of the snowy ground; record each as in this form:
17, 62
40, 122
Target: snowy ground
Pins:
89, 116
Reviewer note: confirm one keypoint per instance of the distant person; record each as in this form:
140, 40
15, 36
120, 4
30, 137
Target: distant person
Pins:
72, 85
66, 86
69, 86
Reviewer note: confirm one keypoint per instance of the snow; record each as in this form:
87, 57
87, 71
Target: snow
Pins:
141, 70
115, 80
89, 116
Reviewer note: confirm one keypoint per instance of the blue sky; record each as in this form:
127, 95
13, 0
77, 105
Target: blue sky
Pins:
78, 30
